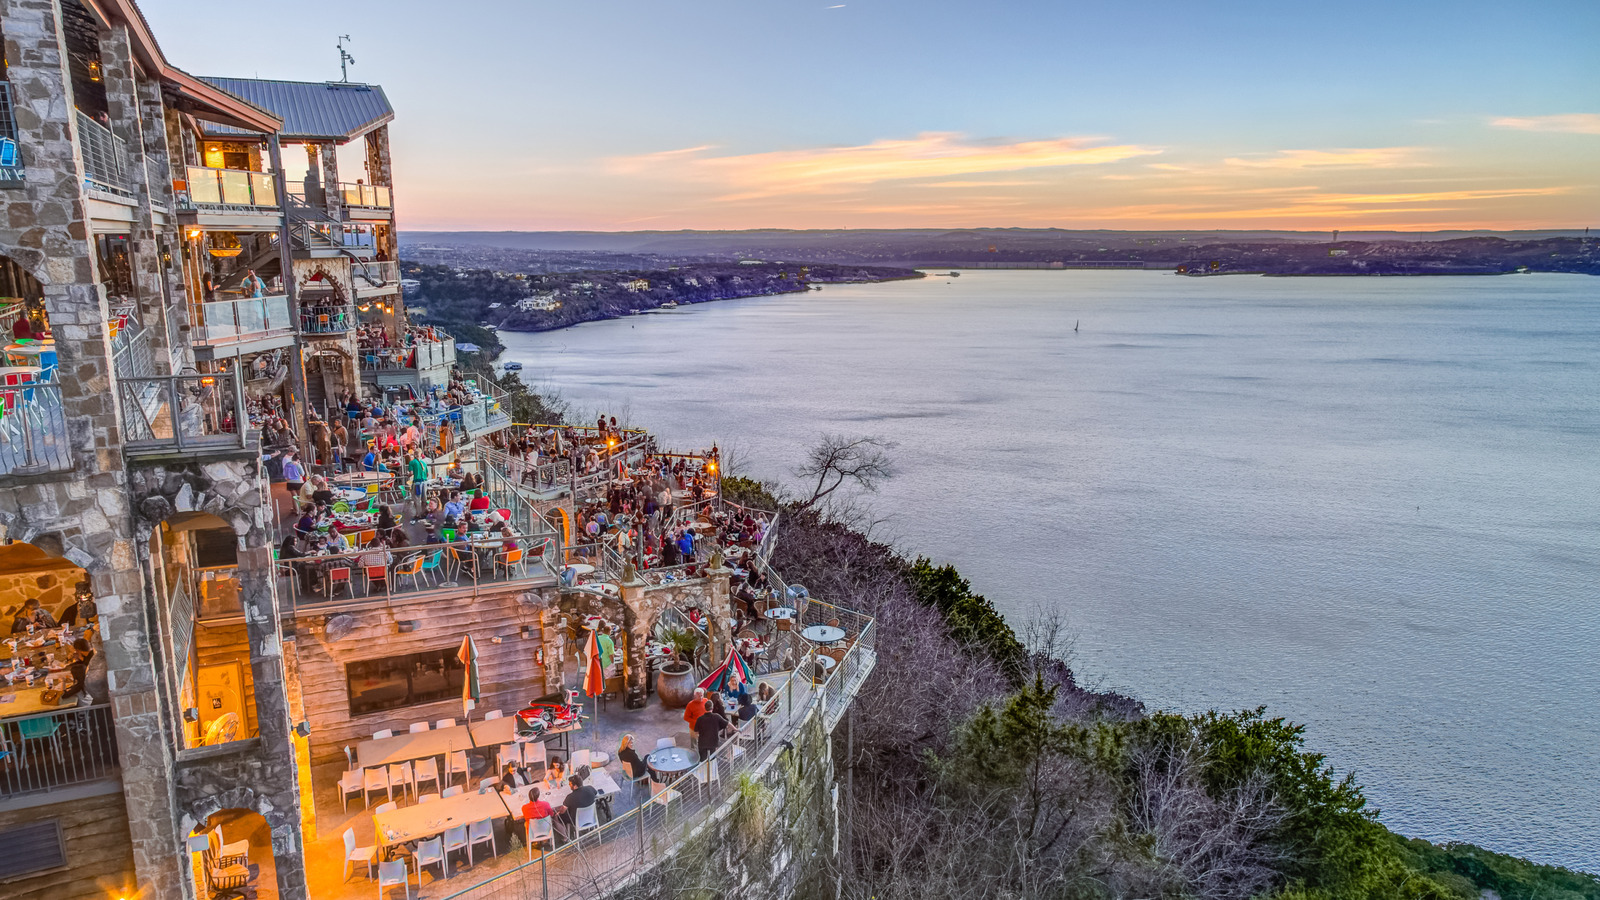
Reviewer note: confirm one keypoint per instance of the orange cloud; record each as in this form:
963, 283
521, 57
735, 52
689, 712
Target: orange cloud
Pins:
1366, 158
929, 155
1571, 123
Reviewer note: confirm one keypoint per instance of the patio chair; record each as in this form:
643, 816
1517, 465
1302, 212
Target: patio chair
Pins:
376, 574
430, 566
411, 568
427, 798
664, 743
226, 854
579, 759
426, 770
510, 755
492, 714
431, 853
366, 537
662, 794
401, 776
391, 874
223, 882
456, 839
351, 783
510, 560
534, 752
385, 733
453, 791
482, 832
458, 765
336, 577
42, 728
585, 819
540, 831
376, 779
382, 808
445, 723
354, 854
486, 784
706, 773
418, 727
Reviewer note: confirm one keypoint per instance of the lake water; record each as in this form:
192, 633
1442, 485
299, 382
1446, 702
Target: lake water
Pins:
1371, 504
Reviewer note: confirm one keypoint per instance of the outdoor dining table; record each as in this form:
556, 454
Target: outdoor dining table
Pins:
823, 634
424, 820
8, 371
22, 700
581, 569
40, 644
780, 612
493, 732
362, 478
407, 747
670, 762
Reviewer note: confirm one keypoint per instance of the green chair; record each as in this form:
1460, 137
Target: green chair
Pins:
448, 534
341, 507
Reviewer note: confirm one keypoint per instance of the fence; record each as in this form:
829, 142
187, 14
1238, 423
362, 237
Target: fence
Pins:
131, 355
372, 195
183, 412
230, 321
105, 158
230, 187
327, 319
744, 770
54, 750
33, 430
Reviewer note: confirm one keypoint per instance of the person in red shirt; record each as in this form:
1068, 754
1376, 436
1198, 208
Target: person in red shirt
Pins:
696, 708
535, 808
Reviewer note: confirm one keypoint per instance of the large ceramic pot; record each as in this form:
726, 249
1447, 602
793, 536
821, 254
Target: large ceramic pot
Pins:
675, 684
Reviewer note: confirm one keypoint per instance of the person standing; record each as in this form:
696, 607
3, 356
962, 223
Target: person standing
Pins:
252, 286
709, 730
697, 707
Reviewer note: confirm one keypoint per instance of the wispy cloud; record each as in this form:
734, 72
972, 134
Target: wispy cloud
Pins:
1349, 157
930, 155
1571, 123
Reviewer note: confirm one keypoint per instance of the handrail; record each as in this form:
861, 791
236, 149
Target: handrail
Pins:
105, 158
183, 412
36, 430
210, 186
230, 321
58, 749
328, 319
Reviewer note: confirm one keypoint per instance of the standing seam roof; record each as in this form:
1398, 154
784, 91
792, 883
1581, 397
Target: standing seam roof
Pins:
311, 110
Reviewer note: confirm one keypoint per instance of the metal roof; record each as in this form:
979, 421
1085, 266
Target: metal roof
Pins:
311, 110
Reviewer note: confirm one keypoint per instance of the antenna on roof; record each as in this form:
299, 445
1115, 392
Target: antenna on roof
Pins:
345, 59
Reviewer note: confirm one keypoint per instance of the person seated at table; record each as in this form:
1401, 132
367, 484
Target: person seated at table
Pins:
453, 507
77, 662
554, 770
515, 776
321, 494
581, 796
768, 696
507, 543
386, 520
307, 523
480, 503
747, 708
32, 614
369, 462
737, 687
534, 808
337, 542
633, 763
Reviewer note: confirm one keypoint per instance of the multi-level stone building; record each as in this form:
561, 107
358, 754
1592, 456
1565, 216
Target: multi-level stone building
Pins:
192, 289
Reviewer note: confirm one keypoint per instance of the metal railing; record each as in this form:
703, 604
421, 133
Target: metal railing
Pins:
33, 430
249, 318
54, 750
381, 273
451, 568
373, 195
183, 412
230, 187
422, 355
328, 319
105, 158
744, 770
131, 353
538, 476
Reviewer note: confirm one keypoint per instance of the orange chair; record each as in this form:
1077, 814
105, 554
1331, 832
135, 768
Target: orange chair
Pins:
411, 569
337, 576
366, 537
376, 574
511, 559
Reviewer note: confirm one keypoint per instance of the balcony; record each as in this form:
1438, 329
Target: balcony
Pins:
33, 430
182, 414
50, 751
376, 278
236, 199
331, 321
105, 160
366, 202
246, 325
11, 169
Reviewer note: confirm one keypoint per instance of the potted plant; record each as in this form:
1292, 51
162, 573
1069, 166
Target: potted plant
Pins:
675, 682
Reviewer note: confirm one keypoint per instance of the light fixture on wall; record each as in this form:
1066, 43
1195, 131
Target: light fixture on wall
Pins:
94, 70
303, 729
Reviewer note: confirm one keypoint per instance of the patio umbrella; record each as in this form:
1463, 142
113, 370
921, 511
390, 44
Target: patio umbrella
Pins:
470, 691
594, 676
718, 679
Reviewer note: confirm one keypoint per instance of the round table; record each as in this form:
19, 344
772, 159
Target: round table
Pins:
823, 634
671, 762
581, 569
825, 663
362, 478
349, 495
781, 612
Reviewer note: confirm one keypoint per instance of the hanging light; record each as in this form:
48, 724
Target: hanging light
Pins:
225, 245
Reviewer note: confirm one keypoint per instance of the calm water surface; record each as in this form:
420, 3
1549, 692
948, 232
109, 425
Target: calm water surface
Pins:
1370, 504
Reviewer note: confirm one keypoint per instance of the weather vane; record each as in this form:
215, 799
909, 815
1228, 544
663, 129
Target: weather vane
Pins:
345, 59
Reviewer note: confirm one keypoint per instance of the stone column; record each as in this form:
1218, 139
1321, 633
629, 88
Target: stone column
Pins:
637, 619
380, 170
314, 196
330, 175
719, 612
123, 103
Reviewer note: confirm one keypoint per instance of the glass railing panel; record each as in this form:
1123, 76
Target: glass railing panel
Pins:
264, 188
381, 195
235, 187
204, 186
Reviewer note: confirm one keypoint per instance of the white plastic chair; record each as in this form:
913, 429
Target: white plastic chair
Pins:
351, 783
453, 790
666, 742
486, 784
382, 808
492, 714
540, 831
431, 853
586, 819
445, 723
380, 735
456, 839
400, 776
661, 792
391, 874
479, 833
426, 798
418, 727
459, 766
426, 770
580, 758
354, 854
706, 772
533, 752
376, 779
510, 754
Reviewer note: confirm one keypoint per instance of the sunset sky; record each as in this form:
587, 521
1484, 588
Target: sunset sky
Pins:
655, 114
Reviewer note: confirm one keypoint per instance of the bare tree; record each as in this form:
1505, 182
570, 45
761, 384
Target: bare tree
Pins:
838, 459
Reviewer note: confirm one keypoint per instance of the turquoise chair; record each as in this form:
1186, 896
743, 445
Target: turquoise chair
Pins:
430, 566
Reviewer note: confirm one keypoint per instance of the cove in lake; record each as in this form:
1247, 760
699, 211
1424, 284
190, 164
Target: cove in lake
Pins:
1369, 504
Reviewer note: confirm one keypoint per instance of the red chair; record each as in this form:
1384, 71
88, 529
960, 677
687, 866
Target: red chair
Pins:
505, 514
338, 576
376, 574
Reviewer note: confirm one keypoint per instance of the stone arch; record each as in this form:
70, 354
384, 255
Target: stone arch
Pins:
229, 492
18, 279
320, 278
